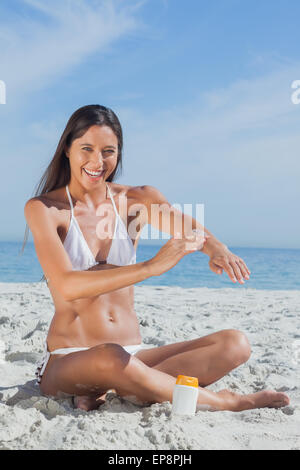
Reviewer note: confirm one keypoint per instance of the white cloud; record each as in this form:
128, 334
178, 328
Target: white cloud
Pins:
242, 112
234, 149
38, 49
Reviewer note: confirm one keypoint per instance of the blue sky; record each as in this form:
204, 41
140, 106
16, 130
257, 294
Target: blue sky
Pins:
202, 90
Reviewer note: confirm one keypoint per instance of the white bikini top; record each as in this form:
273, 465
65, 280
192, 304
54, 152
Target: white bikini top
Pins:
121, 252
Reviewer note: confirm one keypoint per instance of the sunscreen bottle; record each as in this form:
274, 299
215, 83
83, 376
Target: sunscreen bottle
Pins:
185, 395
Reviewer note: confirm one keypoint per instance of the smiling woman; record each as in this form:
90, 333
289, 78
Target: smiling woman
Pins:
58, 173
94, 342
81, 152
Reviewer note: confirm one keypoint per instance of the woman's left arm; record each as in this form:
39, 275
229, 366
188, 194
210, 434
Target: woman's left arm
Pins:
168, 219
221, 258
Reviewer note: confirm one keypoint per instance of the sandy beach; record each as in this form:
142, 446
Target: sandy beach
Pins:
270, 319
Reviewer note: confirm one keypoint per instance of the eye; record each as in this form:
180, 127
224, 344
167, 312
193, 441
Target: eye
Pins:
109, 152
88, 149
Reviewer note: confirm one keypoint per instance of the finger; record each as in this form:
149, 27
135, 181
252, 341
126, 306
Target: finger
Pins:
195, 241
243, 268
200, 232
228, 268
194, 245
237, 272
215, 268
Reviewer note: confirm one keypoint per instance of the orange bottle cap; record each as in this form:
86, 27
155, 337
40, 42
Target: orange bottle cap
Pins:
186, 380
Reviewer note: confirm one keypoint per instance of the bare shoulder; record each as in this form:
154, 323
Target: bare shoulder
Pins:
48, 205
50, 199
144, 194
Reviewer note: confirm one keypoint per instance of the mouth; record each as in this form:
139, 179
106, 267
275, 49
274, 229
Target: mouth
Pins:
93, 175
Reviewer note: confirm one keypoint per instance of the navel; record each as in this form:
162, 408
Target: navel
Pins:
110, 317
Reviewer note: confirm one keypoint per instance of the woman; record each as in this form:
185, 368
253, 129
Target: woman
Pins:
94, 342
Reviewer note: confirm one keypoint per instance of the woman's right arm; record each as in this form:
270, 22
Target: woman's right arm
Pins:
57, 266
73, 285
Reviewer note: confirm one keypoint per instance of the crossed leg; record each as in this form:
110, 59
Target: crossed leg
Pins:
209, 359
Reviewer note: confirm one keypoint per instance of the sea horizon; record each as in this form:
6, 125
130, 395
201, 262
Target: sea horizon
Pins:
271, 268
161, 242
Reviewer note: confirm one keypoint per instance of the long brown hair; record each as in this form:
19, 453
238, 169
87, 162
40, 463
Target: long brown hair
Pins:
58, 172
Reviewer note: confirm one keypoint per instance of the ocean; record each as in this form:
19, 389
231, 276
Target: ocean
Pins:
271, 268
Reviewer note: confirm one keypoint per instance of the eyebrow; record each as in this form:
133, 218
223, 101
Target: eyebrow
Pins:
107, 146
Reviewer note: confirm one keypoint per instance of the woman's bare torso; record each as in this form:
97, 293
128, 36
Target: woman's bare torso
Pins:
104, 318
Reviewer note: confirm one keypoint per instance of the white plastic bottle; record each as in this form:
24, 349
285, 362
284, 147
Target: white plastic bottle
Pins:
185, 395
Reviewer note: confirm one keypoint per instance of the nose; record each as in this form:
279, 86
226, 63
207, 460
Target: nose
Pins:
98, 160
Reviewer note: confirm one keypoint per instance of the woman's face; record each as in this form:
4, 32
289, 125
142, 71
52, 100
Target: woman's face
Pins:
96, 151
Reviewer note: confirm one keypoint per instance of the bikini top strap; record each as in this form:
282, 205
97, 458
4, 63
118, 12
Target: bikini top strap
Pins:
112, 199
70, 200
110, 194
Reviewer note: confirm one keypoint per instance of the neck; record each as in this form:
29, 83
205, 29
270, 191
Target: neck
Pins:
86, 196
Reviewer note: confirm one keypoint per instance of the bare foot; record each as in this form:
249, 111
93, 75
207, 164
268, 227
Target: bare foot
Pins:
88, 403
263, 399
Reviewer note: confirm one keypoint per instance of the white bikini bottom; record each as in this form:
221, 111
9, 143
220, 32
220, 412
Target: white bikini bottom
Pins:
131, 349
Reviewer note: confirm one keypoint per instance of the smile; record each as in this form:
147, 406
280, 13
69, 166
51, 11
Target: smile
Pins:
94, 174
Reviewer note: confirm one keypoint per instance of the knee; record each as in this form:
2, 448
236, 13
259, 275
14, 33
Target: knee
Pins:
236, 346
111, 357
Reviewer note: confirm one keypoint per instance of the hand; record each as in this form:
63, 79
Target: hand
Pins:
223, 259
174, 250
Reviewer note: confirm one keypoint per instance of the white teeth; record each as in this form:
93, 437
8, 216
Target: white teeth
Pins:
93, 173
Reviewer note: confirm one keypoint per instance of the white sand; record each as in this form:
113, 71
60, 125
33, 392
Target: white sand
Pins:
270, 319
